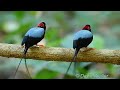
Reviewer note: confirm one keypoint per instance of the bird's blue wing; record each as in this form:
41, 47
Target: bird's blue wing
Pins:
35, 32
82, 34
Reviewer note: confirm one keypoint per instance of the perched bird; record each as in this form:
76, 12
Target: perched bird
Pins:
81, 39
32, 37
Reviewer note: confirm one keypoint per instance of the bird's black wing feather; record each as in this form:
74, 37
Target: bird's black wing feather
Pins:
74, 44
25, 39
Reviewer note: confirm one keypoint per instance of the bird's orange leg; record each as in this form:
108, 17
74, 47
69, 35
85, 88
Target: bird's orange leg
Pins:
85, 49
40, 45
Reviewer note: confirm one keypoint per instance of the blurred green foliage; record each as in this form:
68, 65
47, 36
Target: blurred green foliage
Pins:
61, 25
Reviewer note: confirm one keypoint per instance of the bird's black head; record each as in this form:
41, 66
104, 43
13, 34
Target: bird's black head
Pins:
42, 25
87, 27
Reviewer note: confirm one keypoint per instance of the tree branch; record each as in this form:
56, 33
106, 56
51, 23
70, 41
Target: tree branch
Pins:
60, 54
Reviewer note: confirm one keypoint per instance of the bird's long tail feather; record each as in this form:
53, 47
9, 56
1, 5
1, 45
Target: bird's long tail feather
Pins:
73, 59
25, 51
24, 56
17, 68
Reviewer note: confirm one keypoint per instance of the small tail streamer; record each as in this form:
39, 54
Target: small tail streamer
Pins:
24, 56
73, 59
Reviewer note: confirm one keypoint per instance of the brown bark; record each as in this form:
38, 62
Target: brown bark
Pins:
60, 54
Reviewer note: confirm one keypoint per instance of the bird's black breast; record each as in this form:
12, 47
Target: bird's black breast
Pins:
82, 42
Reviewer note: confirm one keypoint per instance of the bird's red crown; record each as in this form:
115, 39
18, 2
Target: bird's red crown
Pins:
42, 25
87, 27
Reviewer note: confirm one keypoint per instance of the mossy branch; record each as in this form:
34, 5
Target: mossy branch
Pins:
60, 54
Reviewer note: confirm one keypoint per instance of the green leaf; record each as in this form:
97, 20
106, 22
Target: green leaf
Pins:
46, 74
52, 36
67, 41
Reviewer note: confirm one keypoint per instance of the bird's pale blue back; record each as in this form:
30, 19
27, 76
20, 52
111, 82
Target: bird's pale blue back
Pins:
35, 32
82, 34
